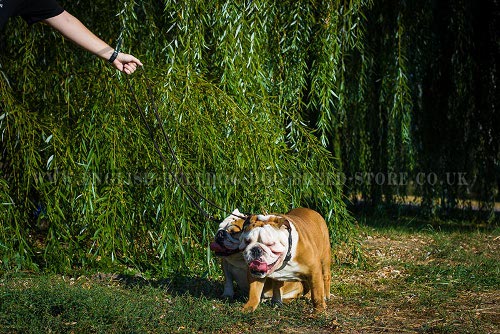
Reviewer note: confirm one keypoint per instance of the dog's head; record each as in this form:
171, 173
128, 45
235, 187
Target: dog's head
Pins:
265, 243
227, 238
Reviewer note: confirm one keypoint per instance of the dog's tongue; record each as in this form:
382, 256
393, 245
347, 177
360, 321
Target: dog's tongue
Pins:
214, 246
257, 265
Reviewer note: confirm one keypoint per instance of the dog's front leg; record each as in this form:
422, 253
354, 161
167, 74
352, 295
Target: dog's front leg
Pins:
228, 284
277, 295
255, 293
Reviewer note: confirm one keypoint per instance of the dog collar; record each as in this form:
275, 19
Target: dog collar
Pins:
289, 252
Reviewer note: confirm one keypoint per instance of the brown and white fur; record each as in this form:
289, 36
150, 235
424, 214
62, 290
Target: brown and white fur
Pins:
227, 246
265, 242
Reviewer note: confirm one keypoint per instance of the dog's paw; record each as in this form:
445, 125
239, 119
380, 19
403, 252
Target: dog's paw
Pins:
276, 302
227, 296
320, 308
248, 308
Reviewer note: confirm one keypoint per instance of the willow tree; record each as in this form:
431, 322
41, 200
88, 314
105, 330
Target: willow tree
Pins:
421, 100
265, 103
457, 119
82, 185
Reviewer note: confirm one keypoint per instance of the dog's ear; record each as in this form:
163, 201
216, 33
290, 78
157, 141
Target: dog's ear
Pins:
282, 222
236, 226
249, 222
278, 221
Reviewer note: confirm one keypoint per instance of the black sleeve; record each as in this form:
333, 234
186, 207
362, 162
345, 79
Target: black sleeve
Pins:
37, 10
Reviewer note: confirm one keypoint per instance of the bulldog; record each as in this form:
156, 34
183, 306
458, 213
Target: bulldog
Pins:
227, 246
290, 247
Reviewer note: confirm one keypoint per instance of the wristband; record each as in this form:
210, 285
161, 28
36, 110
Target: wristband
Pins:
113, 56
117, 49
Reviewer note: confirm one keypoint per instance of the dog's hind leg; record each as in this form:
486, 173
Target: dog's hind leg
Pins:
327, 276
318, 290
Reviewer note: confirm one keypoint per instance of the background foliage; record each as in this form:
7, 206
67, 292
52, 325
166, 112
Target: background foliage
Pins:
268, 105
82, 185
425, 87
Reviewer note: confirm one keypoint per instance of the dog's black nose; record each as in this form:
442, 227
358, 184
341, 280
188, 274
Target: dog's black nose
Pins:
256, 252
221, 236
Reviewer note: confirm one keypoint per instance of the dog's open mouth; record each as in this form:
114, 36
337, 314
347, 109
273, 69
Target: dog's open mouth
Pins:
220, 250
260, 269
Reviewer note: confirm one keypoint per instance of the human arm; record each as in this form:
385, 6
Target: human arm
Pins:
71, 28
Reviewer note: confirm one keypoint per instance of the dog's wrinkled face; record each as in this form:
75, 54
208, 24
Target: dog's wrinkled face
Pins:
227, 239
264, 242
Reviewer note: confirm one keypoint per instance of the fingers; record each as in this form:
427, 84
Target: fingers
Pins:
127, 63
129, 68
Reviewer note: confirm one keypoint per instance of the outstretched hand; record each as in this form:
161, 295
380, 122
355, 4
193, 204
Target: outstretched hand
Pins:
126, 63
74, 30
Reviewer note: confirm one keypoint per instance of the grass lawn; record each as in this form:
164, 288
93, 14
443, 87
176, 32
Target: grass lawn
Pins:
415, 279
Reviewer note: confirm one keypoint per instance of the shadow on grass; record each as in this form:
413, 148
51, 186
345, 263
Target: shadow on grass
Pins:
178, 285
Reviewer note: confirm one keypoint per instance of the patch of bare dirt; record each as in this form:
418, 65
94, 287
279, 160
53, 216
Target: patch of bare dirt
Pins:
379, 298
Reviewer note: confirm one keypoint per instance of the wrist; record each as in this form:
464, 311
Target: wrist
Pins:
113, 56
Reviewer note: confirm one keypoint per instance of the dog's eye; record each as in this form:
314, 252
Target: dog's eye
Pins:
247, 241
